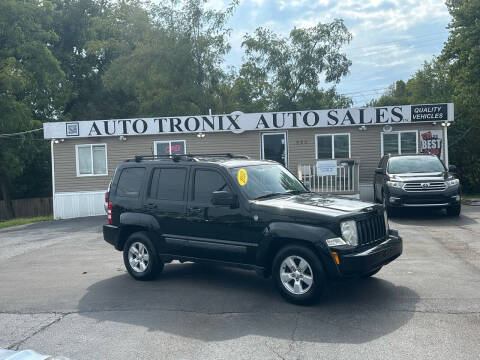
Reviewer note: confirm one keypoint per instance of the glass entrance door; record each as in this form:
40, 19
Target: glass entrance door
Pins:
274, 147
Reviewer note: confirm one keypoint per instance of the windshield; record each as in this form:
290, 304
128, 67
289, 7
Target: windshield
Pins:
265, 180
415, 164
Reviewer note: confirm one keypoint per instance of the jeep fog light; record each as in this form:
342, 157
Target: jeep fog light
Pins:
349, 232
335, 242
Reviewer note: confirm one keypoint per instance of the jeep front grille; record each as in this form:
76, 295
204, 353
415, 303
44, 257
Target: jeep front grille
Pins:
371, 229
425, 186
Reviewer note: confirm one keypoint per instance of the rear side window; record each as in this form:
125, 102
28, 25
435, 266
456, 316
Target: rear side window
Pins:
206, 182
168, 184
130, 182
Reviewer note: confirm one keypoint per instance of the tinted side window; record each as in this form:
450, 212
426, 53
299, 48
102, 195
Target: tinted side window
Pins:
168, 184
130, 182
206, 182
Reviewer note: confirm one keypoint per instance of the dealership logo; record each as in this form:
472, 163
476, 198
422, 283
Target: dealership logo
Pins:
72, 129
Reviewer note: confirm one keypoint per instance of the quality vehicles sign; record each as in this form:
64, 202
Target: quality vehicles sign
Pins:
238, 122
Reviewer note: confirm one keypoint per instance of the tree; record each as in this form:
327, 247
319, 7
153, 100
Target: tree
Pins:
31, 83
176, 68
92, 34
462, 53
299, 63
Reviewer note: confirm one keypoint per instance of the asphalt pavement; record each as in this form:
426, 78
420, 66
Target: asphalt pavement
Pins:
65, 292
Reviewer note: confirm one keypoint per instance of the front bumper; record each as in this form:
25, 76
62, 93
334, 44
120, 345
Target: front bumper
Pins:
355, 263
402, 198
111, 234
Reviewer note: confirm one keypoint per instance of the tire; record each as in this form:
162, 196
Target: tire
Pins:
371, 273
454, 210
149, 265
390, 211
296, 288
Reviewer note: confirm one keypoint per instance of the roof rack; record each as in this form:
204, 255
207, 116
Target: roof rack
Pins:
185, 157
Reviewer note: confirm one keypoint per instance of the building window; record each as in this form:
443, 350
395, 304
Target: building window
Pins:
402, 142
333, 146
170, 147
92, 160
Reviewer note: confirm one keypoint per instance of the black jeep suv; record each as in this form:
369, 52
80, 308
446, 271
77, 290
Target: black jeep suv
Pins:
403, 181
252, 214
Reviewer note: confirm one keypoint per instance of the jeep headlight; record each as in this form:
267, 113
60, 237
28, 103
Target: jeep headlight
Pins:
349, 232
453, 182
395, 184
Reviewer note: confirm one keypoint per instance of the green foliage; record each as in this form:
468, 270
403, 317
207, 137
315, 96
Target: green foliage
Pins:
176, 67
430, 84
298, 63
462, 53
23, 221
31, 83
453, 77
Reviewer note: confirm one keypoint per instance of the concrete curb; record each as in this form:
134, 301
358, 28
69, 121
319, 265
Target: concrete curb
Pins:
471, 202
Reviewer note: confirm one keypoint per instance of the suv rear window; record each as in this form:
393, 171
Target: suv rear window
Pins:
130, 182
206, 182
168, 184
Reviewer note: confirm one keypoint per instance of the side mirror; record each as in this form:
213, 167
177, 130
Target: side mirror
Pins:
379, 171
224, 198
452, 169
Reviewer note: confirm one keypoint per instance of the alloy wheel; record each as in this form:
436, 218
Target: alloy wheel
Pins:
296, 275
138, 257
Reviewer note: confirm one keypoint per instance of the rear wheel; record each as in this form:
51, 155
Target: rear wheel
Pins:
298, 274
454, 210
140, 257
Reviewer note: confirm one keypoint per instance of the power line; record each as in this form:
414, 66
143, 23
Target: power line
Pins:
20, 133
433, 35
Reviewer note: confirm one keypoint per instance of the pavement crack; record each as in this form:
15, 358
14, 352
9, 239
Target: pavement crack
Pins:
274, 351
15, 346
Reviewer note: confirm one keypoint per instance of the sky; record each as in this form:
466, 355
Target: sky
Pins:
391, 38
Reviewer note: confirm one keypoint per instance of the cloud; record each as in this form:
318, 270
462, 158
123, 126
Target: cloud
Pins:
380, 14
391, 38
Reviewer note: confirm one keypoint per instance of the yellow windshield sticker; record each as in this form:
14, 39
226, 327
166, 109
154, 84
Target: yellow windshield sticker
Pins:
242, 177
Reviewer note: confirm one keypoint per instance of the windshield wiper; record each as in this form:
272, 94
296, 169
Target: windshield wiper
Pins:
295, 192
270, 195
290, 192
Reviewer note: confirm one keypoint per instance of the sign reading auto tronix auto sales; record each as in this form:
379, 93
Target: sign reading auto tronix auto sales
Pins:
238, 122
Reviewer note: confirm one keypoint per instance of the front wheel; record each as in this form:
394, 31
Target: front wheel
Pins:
299, 275
140, 257
454, 210
371, 273
390, 210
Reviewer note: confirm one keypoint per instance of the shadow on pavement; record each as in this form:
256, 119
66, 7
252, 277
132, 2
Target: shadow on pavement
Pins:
433, 217
215, 303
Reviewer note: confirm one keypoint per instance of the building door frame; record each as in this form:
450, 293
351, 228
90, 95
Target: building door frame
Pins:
285, 138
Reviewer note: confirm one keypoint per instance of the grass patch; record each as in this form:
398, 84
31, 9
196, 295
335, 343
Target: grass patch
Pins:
23, 221
470, 196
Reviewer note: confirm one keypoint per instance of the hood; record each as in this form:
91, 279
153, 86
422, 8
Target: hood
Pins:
406, 177
318, 204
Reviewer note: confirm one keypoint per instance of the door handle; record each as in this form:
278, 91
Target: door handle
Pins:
194, 211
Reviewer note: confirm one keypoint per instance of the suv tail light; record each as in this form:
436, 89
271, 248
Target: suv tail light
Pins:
109, 212
107, 194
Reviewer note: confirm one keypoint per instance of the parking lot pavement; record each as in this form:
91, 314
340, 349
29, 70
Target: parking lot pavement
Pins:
64, 291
